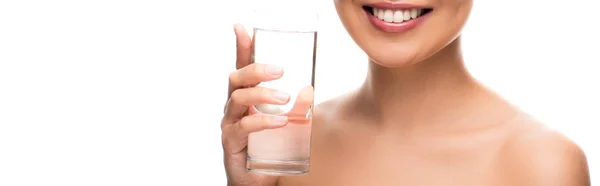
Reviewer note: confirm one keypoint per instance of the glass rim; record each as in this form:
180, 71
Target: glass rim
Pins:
287, 11
277, 19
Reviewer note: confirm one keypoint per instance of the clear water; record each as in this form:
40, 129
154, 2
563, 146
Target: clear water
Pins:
295, 52
286, 150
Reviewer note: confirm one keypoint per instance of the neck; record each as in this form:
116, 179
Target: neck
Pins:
431, 91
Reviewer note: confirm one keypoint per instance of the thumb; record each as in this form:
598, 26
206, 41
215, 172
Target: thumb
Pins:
243, 46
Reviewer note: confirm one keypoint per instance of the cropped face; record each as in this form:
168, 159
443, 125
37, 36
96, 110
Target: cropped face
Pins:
396, 33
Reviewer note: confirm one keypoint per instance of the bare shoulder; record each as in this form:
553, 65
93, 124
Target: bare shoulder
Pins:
542, 156
329, 110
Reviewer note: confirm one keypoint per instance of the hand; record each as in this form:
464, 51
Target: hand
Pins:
236, 124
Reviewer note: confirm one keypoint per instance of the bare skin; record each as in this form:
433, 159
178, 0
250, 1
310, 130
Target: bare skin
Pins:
502, 150
418, 119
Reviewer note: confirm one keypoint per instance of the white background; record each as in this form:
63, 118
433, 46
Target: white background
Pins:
125, 92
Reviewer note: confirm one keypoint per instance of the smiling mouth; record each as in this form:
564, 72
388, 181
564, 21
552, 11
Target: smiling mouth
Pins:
396, 15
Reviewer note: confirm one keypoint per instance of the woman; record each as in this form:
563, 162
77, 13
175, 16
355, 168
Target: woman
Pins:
419, 118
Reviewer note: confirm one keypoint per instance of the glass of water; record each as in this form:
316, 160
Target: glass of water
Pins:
285, 37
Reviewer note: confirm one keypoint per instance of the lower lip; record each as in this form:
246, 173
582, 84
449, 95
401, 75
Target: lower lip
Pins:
395, 27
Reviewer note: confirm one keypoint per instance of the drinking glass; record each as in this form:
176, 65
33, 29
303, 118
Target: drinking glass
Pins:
285, 37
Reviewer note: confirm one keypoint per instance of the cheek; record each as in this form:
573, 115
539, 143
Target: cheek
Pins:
453, 19
350, 18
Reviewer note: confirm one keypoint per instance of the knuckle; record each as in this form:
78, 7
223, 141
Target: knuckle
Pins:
232, 77
236, 96
225, 134
227, 142
245, 122
225, 124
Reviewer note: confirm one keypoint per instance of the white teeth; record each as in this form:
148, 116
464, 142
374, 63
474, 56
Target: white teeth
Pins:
406, 15
388, 16
396, 16
413, 13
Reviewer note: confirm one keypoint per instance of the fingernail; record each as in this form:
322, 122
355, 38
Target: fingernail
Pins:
280, 120
274, 70
282, 96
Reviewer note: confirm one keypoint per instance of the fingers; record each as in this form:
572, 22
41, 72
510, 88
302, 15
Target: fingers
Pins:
259, 122
241, 125
234, 135
243, 46
252, 75
303, 104
242, 99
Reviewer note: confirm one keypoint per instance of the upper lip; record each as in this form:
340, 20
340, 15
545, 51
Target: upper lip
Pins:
387, 5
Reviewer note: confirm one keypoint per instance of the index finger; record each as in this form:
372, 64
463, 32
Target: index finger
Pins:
243, 46
243, 51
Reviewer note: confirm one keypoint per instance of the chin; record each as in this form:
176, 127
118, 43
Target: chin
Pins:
403, 33
393, 60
